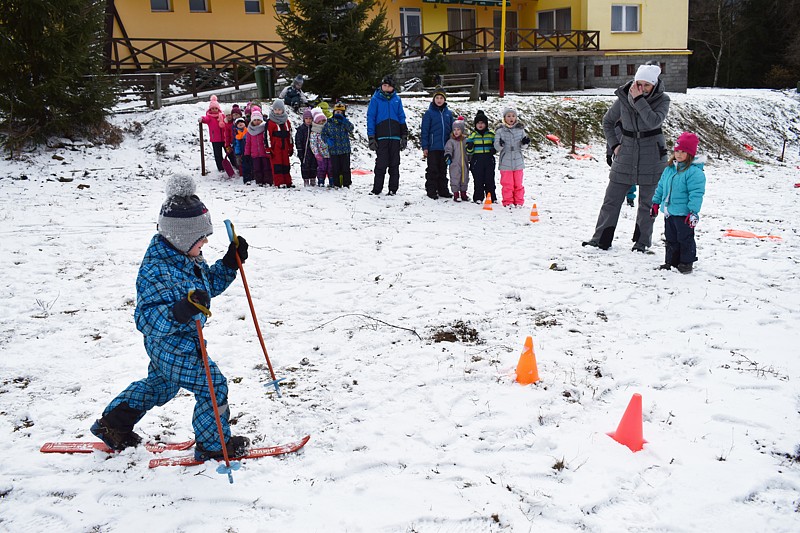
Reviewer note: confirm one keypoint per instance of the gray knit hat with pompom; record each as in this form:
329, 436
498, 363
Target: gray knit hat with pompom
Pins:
184, 219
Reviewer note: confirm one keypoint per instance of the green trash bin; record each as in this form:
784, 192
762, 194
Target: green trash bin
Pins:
265, 82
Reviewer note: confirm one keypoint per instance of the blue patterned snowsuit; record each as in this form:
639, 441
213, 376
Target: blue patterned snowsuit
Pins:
165, 277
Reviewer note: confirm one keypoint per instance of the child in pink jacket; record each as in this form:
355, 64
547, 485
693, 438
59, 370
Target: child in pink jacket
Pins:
215, 120
255, 148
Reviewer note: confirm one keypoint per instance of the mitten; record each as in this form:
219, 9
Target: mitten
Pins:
502, 142
609, 160
525, 140
447, 159
229, 259
692, 219
195, 302
403, 142
470, 146
654, 210
373, 144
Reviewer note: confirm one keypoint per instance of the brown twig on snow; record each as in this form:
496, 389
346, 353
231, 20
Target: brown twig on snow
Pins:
369, 317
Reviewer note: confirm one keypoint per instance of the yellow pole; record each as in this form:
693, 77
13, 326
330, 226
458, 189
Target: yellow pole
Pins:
503, 49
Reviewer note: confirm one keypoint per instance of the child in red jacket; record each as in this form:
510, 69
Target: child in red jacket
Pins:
280, 144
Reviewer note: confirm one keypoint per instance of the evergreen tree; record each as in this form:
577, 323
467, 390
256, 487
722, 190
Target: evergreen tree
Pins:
50, 49
338, 45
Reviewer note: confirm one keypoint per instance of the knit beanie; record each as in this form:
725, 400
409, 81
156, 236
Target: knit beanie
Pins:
238, 120
320, 118
648, 73
439, 91
254, 108
307, 114
184, 220
213, 104
339, 106
460, 125
389, 80
236, 110
507, 110
256, 115
278, 104
687, 142
298, 81
481, 117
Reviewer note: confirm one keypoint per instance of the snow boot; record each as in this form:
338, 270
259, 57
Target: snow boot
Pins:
464, 196
236, 447
115, 428
630, 202
456, 197
684, 268
639, 247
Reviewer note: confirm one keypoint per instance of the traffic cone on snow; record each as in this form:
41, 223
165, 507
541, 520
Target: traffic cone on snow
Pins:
629, 431
534, 213
487, 204
527, 372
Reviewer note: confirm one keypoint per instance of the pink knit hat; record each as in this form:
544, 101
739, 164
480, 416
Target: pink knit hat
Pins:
213, 104
687, 142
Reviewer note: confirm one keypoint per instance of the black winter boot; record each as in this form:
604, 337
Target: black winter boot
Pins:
236, 447
115, 428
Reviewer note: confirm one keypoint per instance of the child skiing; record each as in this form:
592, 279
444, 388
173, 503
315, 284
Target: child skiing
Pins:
679, 194
455, 156
480, 147
336, 134
281, 148
509, 141
302, 140
437, 125
174, 288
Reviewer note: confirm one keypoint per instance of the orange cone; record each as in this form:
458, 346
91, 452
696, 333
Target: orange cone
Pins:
534, 213
487, 204
527, 372
629, 431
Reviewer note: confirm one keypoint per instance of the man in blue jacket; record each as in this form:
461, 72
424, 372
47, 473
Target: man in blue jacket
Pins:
437, 125
387, 133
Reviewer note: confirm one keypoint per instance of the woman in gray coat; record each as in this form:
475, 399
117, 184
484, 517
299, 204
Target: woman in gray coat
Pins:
639, 155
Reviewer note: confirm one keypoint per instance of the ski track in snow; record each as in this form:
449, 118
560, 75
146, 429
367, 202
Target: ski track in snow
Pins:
410, 435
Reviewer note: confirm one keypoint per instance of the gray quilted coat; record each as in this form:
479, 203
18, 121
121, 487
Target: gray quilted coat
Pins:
510, 151
641, 160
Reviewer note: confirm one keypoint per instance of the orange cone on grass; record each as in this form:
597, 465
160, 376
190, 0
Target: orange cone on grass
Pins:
629, 431
527, 372
487, 203
534, 213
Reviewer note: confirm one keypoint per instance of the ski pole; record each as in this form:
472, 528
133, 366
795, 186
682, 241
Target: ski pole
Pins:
235, 240
202, 153
228, 468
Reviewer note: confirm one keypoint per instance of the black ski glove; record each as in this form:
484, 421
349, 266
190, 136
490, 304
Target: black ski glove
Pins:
195, 302
373, 144
403, 142
229, 259
525, 140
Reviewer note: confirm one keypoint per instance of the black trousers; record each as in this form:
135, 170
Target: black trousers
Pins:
217, 146
388, 158
681, 247
340, 170
436, 181
482, 167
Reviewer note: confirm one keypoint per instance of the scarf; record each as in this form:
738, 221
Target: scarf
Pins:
240, 134
278, 119
256, 130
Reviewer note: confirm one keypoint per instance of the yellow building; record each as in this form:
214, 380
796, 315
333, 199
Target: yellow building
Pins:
604, 38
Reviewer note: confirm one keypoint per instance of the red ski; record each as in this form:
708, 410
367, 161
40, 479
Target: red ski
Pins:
252, 453
97, 446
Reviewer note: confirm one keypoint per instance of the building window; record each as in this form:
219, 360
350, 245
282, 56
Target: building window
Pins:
615, 70
563, 72
555, 19
598, 71
282, 7
253, 6
542, 73
160, 5
198, 6
625, 18
523, 73
631, 69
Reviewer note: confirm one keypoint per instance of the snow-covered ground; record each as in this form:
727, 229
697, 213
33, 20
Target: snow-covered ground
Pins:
408, 434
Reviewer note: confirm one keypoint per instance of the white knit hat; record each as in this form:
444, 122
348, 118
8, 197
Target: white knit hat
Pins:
648, 73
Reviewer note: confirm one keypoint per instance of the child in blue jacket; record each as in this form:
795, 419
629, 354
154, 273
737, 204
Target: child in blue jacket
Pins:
679, 195
174, 287
336, 134
387, 133
437, 125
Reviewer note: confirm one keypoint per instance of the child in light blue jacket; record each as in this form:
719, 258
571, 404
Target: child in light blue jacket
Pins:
679, 195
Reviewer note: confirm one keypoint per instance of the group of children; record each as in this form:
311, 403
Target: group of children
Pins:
261, 149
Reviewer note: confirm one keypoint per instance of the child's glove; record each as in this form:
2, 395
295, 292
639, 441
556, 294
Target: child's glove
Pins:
502, 143
447, 159
403, 142
373, 144
197, 301
654, 210
525, 140
229, 259
470, 146
692, 219
609, 160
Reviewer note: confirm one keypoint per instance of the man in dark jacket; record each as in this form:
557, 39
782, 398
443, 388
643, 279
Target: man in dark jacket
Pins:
639, 155
387, 133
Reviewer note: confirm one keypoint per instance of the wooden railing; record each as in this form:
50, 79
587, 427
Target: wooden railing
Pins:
488, 40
